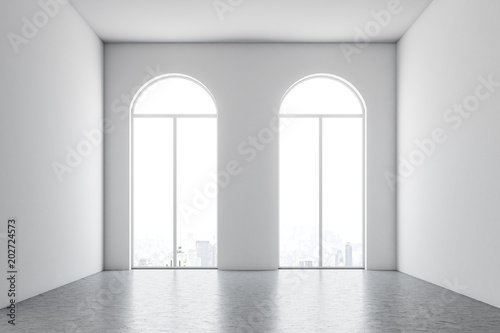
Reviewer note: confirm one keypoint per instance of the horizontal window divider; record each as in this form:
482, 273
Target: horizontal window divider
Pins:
321, 116
175, 116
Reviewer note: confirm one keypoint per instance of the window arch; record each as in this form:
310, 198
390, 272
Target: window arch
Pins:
174, 94
322, 174
322, 94
173, 154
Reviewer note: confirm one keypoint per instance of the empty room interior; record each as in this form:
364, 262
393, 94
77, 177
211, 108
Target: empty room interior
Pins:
250, 166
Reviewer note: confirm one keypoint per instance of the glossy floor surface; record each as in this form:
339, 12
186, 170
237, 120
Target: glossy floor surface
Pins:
244, 302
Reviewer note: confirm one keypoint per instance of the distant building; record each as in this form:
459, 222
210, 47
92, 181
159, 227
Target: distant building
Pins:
203, 252
339, 259
182, 258
348, 254
143, 262
213, 254
193, 260
306, 263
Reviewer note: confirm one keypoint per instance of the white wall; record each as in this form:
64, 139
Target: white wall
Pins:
50, 90
448, 207
248, 81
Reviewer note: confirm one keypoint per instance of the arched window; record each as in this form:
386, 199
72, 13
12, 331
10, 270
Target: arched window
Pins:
173, 155
322, 174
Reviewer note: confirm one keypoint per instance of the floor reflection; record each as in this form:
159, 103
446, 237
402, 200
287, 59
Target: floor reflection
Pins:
252, 301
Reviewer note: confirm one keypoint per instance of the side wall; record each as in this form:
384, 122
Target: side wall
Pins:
51, 91
449, 190
248, 82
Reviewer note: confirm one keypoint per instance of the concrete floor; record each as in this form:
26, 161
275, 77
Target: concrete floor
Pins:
244, 302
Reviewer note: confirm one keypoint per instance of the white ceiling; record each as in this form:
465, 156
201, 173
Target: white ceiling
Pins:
244, 21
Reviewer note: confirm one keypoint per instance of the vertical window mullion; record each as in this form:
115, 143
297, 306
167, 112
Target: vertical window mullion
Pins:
363, 207
175, 190
320, 238
132, 230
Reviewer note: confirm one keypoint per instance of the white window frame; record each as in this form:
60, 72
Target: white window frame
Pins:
363, 168
174, 134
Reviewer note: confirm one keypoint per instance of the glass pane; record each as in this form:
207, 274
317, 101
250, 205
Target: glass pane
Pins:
321, 95
174, 95
153, 192
299, 196
342, 192
197, 192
